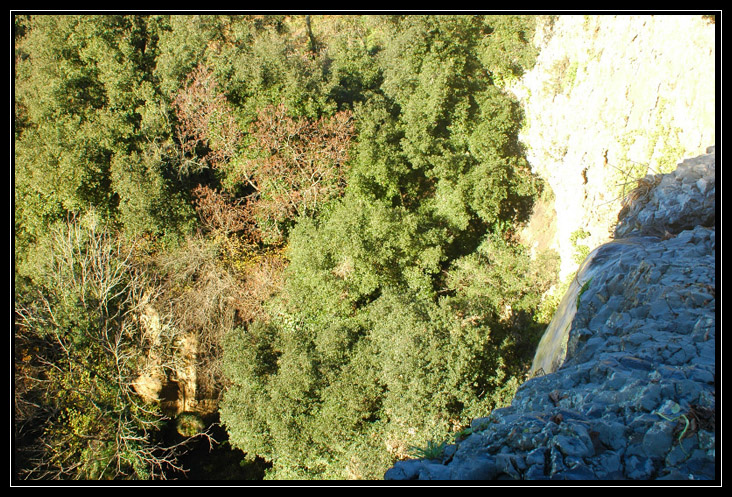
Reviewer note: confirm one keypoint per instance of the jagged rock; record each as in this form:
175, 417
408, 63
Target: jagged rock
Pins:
666, 204
174, 389
628, 389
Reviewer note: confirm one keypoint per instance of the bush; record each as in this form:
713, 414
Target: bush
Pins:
189, 424
81, 320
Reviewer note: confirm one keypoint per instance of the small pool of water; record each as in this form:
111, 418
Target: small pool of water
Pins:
216, 461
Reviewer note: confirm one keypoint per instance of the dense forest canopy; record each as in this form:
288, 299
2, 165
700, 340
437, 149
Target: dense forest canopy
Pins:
328, 203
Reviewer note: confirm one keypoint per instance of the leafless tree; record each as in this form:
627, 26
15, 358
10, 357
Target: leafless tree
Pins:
80, 344
205, 121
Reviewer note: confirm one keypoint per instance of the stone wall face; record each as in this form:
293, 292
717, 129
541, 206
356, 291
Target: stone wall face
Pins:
611, 98
633, 396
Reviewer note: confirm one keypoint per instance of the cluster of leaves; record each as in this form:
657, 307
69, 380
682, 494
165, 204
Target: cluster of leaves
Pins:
297, 165
219, 213
205, 121
328, 204
405, 309
581, 250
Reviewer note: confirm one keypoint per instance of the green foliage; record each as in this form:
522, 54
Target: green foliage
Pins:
399, 318
377, 155
582, 291
432, 450
507, 51
95, 131
402, 368
581, 251
384, 354
459, 131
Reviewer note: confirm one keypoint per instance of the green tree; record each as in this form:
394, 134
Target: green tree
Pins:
460, 131
395, 324
96, 130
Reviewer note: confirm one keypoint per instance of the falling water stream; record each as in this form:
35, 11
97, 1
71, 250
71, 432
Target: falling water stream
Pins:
552, 349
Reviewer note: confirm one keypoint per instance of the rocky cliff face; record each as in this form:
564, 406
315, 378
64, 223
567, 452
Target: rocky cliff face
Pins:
626, 388
172, 383
623, 384
661, 206
611, 99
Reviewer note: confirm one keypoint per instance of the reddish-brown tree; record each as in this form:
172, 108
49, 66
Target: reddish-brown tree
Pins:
220, 213
296, 163
207, 130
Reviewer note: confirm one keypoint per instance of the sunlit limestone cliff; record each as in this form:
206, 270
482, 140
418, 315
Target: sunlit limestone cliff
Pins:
611, 99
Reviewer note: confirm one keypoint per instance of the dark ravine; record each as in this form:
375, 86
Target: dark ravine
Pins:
630, 390
213, 458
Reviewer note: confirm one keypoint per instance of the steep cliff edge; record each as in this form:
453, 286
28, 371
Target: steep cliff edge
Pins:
626, 389
611, 99
661, 206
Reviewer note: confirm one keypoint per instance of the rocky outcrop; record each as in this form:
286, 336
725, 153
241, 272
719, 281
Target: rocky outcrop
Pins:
168, 373
660, 205
628, 390
663, 204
